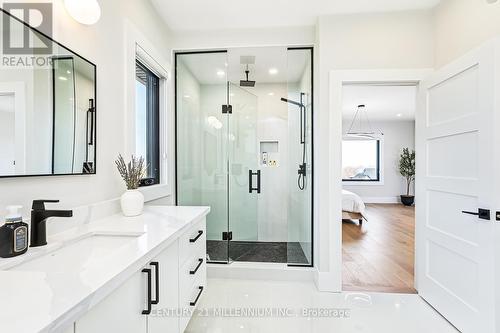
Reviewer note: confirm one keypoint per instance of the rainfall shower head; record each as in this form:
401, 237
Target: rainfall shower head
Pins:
247, 83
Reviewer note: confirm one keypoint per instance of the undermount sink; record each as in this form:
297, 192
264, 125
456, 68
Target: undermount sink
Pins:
76, 255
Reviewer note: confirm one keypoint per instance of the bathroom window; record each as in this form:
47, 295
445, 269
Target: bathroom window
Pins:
361, 160
147, 88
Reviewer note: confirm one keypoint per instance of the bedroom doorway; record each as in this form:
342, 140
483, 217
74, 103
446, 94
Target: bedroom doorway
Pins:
378, 172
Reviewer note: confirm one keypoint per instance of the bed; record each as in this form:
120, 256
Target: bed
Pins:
353, 207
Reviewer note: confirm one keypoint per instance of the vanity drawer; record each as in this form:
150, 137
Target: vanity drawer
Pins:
193, 243
193, 270
190, 296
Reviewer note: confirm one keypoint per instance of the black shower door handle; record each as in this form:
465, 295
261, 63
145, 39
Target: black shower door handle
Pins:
250, 181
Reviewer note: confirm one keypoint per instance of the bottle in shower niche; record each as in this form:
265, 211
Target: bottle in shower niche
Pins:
13, 234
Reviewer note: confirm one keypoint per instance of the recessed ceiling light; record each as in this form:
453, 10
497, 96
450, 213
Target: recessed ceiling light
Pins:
273, 71
221, 73
63, 78
271, 93
399, 115
186, 96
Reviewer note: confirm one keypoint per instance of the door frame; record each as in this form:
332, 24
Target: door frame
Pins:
338, 78
17, 88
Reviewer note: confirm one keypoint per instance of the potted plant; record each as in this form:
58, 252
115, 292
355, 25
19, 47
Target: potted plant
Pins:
407, 170
132, 201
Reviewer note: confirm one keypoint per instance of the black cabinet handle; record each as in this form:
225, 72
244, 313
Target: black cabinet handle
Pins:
197, 297
156, 265
148, 310
200, 261
192, 240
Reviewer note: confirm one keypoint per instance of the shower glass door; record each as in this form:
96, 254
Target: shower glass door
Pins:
244, 173
300, 89
203, 138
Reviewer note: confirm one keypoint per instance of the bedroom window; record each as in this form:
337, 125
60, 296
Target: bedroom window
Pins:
361, 160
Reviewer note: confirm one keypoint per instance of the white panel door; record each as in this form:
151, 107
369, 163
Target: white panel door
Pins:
455, 148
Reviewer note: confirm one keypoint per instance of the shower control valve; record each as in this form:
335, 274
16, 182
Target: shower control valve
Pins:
302, 169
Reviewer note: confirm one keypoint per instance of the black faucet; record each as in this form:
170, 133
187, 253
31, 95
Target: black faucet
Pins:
39, 216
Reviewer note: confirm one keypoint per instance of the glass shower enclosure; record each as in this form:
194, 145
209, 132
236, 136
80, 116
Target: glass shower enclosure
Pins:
219, 158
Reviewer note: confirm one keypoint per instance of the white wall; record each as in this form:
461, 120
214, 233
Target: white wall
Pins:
244, 38
461, 25
368, 41
397, 135
103, 44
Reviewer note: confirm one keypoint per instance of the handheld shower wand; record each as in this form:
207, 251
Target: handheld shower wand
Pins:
301, 181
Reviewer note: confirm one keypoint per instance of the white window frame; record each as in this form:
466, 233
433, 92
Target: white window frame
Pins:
138, 48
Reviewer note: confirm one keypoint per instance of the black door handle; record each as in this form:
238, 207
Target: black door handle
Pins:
148, 310
192, 240
483, 214
250, 181
200, 261
197, 297
156, 265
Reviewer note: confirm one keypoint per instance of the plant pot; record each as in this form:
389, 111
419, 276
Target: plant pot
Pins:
132, 202
407, 200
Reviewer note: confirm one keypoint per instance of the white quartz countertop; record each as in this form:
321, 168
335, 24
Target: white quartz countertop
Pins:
34, 301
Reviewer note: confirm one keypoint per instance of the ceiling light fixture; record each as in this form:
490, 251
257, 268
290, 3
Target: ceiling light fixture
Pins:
85, 12
271, 94
361, 128
273, 71
399, 115
221, 73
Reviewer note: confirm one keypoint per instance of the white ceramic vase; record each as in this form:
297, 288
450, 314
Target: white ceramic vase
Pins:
132, 202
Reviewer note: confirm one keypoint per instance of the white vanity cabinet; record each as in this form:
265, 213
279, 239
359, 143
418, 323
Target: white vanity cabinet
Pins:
164, 268
155, 298
192, 270
119, 312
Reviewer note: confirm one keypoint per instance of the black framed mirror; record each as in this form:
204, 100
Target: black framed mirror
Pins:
47, 105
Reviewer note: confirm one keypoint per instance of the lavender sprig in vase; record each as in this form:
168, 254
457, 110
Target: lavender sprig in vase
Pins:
132, 201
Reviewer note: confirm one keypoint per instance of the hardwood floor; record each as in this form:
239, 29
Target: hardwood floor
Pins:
379, 255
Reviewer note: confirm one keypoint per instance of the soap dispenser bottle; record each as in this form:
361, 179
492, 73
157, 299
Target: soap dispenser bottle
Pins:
13, 234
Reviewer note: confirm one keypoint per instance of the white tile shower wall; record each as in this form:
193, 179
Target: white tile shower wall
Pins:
272, 125
300, 205
103, 44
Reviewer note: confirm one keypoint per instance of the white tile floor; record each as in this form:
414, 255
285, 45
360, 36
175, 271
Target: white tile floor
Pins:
350, 312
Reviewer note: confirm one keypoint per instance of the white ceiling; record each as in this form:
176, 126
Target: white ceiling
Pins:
186, 15
290, 65
383, 102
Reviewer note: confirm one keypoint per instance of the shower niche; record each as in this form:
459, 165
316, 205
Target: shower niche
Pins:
269, 154
238, 146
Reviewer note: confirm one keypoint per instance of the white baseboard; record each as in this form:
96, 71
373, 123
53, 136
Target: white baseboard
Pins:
381, 199
327, 282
